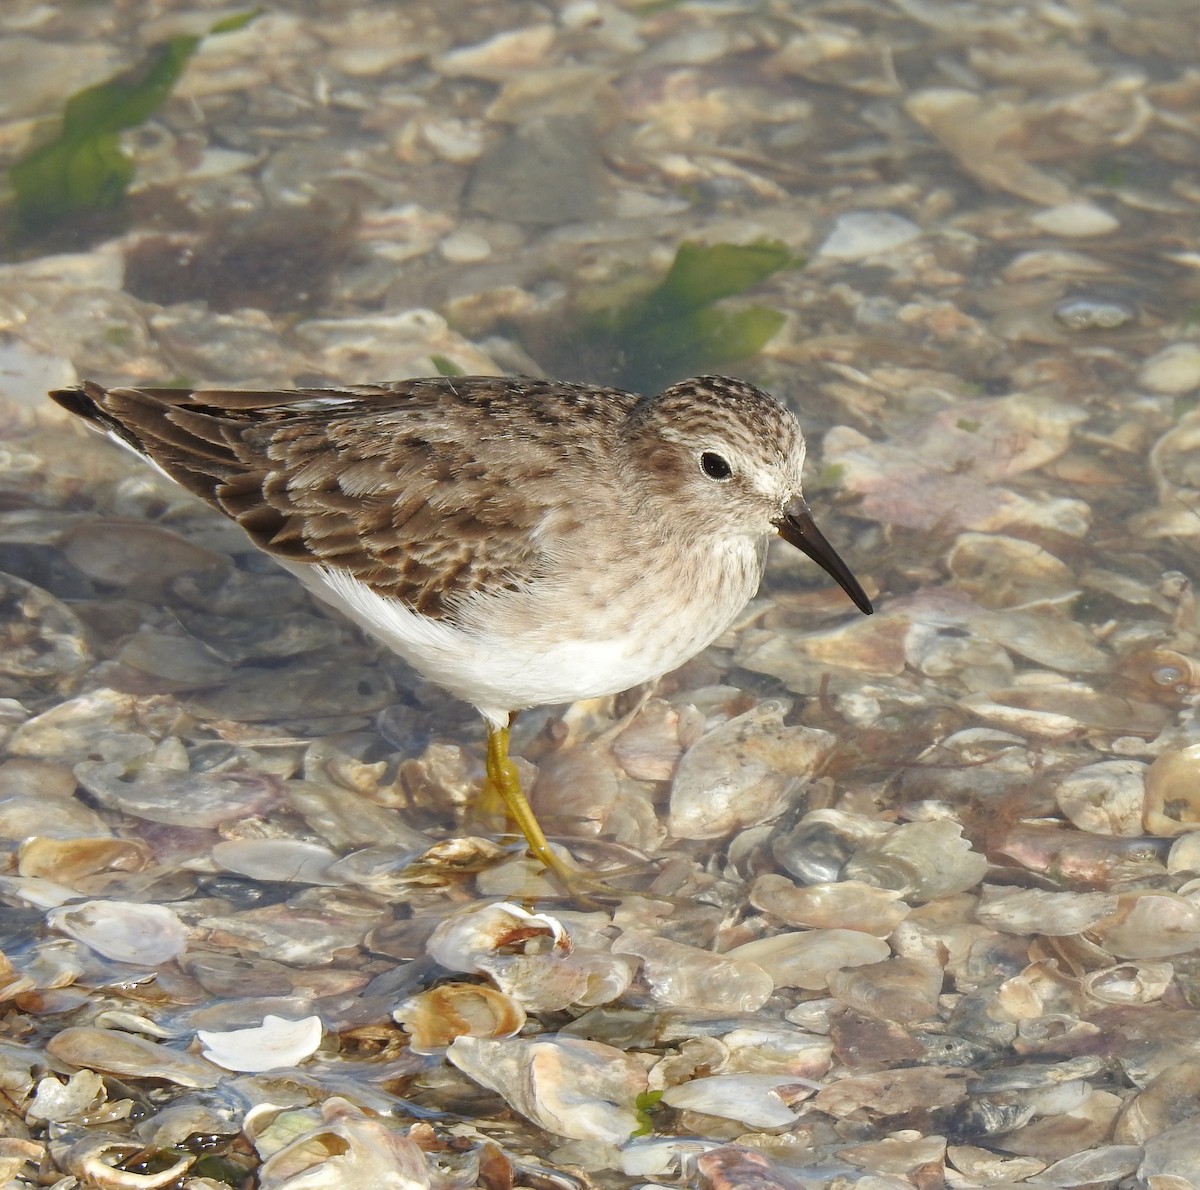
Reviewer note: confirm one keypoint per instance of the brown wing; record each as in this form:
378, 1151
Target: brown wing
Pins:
425, 490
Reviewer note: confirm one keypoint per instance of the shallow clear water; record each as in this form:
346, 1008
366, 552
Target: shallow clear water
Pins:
957, 838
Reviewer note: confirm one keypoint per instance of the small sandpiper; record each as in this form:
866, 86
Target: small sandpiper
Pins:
517, 541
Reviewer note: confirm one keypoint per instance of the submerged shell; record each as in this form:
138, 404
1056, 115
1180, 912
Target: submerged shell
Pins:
817, 848
344, 1147
159, 793
146, 935
1172, 792
1129, 983
808, 959
101, 1161
72, 861
573, 1088
61, 1101
1001, 571
682, 976
745, 771
1169, 1098
845, 904
1036, 911
116, 1052
900, 861
276, 859
1150, 925
40, 637
754, 1100
1105, 798
895, 989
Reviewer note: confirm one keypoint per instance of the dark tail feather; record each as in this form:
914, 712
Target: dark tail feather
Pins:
86, 401
188, 444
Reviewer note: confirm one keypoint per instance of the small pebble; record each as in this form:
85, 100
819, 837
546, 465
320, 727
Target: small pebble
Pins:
1174, 369
1093, 314
1075, 219
860, 234
464, 247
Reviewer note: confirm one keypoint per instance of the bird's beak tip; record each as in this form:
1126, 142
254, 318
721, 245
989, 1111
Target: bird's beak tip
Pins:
798, 528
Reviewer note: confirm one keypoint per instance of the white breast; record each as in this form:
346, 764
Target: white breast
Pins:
503, 662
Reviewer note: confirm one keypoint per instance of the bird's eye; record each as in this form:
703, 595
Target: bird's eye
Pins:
715, 466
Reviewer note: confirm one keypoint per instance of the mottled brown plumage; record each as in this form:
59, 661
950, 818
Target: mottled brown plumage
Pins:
518, 541
424, 490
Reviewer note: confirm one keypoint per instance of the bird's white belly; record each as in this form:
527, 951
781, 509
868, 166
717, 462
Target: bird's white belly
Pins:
503, 670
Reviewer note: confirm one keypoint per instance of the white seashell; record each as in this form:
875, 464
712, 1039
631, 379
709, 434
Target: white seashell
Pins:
1089, 313
1171, 1160
460, 942
160, 792
124, 931
276, 1042
657, 1155
1041, 637
579, 1089
997, 570
943, 475
875, 646
500, 56
982, 1167
1184, 855
70, 731
649, 748
983, 134
816, 848
695, 1057
905, 1150
1014, 716
893, 1092
461, 141
1102, 1165
751, 1099
549, 983
70, 861
33, 890
976, 663
1168, 1095
542, 983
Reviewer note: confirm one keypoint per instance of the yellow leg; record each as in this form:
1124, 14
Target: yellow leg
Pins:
503, 778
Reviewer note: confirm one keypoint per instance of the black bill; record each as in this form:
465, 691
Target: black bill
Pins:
797, 528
